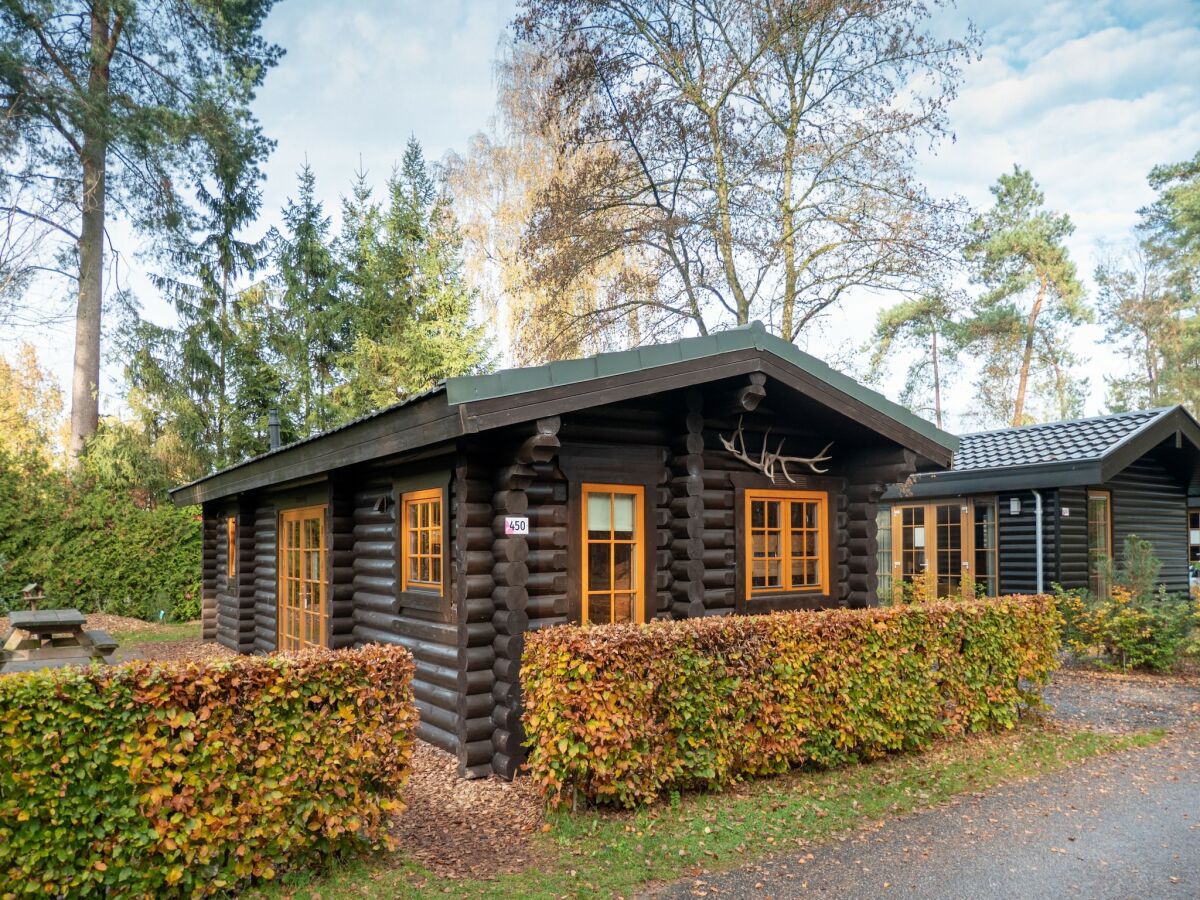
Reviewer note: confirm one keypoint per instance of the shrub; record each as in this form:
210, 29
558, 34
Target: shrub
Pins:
1138, 625
623, 713
96, 545
151, 779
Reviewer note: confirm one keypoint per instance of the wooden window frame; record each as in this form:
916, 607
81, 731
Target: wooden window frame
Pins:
230, 546
283, 611
1191, 511
994, 500
638, 579
407, 584
786, 497
1099, 579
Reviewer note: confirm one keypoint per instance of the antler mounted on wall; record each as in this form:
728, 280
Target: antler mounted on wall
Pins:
735, 444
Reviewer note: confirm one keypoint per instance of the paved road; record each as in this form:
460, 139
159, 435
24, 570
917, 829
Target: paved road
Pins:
1120, 826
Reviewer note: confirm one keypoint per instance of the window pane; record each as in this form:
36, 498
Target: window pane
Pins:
623, 516
436, 563
413, 515
773, 513
622, 607
599, 609
599, 567
435, 513
599, 513
758, 515
623, 566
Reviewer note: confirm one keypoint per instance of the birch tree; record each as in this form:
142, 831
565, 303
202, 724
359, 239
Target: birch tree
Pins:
759, 153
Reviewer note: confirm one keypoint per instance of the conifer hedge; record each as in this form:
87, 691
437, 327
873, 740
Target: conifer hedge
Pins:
622, 713
186, 780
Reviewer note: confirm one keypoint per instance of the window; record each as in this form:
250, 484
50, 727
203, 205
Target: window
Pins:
1193, 546
421, 540
986, 563
883, 551
230, 546
613, 554
302, 608
1099, 530
787, 542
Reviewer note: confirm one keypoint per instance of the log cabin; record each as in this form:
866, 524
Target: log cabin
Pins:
1025, 508
730, 473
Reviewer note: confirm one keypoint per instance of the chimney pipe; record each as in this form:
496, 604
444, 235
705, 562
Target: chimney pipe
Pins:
273, 428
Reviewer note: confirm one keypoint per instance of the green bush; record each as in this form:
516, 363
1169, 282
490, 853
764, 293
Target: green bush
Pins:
96, 544
185, 780
624, 713
1138, 625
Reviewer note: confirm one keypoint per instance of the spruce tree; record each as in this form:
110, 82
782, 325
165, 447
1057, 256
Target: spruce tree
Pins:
316, 328
412, 306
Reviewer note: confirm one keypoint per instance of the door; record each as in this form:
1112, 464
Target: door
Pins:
302, 577
613, 554
932, 546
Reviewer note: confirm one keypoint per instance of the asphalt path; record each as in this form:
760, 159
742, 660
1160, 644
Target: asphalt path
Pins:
1123, 825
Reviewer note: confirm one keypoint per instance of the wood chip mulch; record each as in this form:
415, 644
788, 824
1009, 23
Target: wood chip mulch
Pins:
461, 828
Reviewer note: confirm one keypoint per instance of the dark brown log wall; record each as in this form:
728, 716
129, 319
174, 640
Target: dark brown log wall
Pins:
235, 594
266, 577
208, 576
474, 651
372, 608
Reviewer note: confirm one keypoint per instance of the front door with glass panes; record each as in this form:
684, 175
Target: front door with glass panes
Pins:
613, 554
948, 547
302, 607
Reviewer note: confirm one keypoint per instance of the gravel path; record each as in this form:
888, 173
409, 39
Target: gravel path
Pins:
1123, 825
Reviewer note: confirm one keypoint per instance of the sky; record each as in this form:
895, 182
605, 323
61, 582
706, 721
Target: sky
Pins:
1088, 95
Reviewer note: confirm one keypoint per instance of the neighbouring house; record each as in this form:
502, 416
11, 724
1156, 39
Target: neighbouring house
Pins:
712, 475
1025, 508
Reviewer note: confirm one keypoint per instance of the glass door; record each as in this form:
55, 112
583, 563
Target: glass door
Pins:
932, 547
301, 600
613, 554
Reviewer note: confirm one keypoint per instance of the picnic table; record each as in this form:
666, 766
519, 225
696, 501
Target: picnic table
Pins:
49, 638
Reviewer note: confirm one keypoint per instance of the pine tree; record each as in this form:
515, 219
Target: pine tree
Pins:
926, 327
1149, 297
412, 307
1032, 296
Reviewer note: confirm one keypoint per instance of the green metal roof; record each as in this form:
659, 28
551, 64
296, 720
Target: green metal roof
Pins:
509, 382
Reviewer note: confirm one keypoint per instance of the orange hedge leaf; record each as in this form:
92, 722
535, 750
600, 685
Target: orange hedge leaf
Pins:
622, 713
185, 780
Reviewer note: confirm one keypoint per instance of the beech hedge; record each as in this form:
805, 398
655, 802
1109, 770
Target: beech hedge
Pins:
186, 780
622, 713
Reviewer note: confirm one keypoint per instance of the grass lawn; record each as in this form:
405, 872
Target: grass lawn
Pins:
616, 853
154, 633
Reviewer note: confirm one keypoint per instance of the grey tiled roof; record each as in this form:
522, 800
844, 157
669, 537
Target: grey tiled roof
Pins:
1074, 441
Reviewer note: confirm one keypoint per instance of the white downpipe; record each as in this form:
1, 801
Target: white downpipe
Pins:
1037, 531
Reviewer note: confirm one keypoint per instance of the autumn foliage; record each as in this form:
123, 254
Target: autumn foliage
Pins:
622, 713
184, 780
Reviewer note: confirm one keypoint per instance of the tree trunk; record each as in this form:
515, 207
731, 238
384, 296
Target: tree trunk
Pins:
1027, 358
937, 381
85, 382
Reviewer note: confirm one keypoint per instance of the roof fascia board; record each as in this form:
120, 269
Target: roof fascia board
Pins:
406, 429
1013, 478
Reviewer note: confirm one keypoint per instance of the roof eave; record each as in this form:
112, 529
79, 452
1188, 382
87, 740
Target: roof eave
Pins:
1007, 478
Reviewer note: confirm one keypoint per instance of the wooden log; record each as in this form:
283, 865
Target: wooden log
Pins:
546, 582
